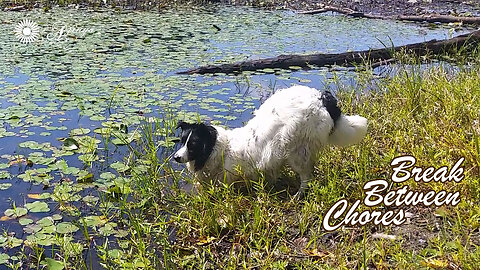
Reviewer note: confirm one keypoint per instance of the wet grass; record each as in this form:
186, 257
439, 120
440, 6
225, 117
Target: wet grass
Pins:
432, 114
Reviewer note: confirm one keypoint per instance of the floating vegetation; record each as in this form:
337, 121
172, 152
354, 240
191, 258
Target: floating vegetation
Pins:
75, 105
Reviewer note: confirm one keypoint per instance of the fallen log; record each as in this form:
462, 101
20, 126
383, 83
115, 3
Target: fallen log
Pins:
345, 11
348, 59
16, 8
431, 18
434, 18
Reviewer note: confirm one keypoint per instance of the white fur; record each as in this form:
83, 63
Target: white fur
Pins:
182, 153
291, 127
348, 130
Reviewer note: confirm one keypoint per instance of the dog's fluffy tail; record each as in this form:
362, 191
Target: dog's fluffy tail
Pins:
348, 130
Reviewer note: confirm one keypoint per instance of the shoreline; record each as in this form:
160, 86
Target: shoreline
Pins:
376, 7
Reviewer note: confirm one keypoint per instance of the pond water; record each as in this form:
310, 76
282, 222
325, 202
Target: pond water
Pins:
70, 100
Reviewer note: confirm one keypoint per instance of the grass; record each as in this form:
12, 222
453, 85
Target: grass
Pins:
432, 114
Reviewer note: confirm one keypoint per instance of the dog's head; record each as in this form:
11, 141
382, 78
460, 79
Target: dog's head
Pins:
197, 142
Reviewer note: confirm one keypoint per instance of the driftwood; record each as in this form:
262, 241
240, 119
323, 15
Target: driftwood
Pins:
16, 8
349, 59
431, 18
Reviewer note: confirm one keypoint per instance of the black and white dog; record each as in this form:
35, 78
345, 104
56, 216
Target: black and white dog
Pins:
291, 127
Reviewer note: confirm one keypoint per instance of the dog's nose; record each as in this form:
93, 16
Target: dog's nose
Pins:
177, 159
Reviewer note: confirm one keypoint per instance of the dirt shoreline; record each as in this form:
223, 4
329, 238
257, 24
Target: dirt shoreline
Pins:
379, 7
394, 7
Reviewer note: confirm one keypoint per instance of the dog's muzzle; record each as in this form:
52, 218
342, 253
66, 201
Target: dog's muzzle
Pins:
178, 159
181, 155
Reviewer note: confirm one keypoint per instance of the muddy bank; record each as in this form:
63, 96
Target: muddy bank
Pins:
389, 7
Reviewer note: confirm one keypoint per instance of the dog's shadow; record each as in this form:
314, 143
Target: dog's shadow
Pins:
284, 187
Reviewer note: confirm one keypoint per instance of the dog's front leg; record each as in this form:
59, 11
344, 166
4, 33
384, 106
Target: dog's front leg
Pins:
304, 180
301, 162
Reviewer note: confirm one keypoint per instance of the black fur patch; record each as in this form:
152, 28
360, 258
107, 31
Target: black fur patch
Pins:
330, 102
201, 142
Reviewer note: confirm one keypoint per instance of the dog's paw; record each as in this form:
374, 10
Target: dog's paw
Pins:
299, 195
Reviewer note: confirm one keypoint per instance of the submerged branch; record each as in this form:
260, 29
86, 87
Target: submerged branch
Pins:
349, 59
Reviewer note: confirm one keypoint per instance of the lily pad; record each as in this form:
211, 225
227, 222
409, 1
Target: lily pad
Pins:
30, 144
4, 258
4, 175
48, 229
46, 221
94, 221
103, 131
66, 227
32, 228
4, 186
120, 141
10, 242
79, 131
42, 239
88, 158
90, 199
107, 175
37, 207
71, 144
121, 233
108, 229
57, 217
119, 167
16, 212
25, 221
115, 253
54, 264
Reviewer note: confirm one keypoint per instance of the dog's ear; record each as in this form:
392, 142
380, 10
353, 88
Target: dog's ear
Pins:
208, 137
181, 124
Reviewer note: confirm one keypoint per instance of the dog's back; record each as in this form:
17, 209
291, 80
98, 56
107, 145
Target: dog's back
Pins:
296, 118
299, 122
290, 119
